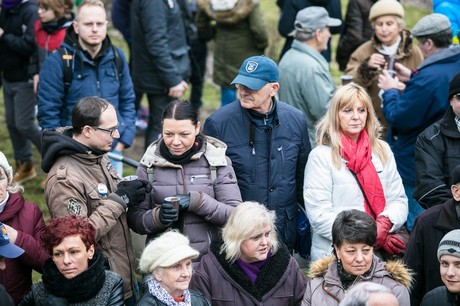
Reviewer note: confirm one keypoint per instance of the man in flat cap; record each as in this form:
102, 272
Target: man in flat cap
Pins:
424, 99
267, 141
430, 227
305, 80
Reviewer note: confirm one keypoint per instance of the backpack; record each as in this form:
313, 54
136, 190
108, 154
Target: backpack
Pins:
67, 65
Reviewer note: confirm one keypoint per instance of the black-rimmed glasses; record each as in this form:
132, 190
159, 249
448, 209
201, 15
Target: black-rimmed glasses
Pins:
108, 131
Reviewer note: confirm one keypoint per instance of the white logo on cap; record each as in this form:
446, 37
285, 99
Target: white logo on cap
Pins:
251, 66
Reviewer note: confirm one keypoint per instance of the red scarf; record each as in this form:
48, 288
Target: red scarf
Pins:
358, 154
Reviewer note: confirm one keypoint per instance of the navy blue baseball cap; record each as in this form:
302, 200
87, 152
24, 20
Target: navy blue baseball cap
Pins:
256, 72
8, 249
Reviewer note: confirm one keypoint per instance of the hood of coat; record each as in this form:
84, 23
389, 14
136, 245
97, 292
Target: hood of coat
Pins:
59, 142
394, 268
404, 48
239, 12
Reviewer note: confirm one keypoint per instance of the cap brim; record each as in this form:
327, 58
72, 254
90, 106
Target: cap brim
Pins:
251, 83
333, 22
10, 250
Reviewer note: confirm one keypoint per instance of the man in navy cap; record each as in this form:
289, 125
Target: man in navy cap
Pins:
267, 142
7, 250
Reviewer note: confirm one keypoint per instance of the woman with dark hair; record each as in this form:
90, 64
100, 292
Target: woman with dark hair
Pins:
75, 274
186, 164
354, 235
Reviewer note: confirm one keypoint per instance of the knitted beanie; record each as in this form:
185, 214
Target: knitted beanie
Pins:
6, 166
454, 86
165, 251
385, 8
450, 244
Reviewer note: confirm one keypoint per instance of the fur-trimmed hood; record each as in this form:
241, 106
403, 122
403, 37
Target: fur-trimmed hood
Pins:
395, 269
240, 11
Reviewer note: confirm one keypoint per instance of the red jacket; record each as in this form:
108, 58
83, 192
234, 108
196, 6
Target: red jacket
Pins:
27, 219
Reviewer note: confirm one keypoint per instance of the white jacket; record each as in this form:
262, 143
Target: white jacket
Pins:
328, 191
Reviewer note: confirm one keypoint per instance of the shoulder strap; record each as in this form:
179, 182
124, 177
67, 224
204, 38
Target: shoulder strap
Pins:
118, 61
67, 67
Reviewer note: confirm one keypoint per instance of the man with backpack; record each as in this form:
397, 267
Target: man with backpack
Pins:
87, 65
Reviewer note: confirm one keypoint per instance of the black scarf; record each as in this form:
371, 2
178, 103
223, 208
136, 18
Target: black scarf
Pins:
347, 279
56, 24
82, 287
183, 158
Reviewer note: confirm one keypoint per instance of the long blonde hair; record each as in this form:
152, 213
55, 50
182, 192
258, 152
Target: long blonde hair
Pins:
328, 128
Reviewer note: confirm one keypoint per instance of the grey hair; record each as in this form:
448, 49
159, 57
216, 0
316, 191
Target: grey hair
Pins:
358, 295
302, 35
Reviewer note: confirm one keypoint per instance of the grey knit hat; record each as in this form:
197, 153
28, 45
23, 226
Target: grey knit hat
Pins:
450, 244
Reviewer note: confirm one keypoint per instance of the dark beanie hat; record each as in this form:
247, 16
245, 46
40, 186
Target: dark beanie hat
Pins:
454, 86
456, 175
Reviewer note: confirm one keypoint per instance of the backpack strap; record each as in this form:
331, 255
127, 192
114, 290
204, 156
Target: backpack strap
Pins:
118, 61
67, 67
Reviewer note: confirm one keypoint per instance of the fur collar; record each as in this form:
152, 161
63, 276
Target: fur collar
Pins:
238, 13
394, 269
404, 48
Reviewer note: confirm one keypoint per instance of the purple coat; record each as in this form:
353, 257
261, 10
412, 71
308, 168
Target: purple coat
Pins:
27, 219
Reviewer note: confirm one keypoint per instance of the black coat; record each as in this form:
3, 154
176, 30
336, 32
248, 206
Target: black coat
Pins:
436, 155
440, 296
421, 251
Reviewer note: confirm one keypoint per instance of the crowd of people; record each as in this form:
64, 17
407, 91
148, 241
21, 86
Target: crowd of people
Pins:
372, 165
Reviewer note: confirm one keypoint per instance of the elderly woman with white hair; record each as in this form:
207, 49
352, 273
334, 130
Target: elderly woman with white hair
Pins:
249, 266
167, 261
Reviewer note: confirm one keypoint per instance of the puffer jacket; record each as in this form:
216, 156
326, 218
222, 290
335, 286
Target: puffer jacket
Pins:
436, 155
328, 191
424, 101
27, 219
98, 77
197, 299
325, 288
449, 8
239, 33
407, 54
279, 282
271, 170
77, 177
159, 46
211, 200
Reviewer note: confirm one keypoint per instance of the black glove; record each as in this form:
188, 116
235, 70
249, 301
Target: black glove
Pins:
184, 202
168, 213
131, 193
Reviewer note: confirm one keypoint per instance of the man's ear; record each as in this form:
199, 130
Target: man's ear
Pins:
75, 26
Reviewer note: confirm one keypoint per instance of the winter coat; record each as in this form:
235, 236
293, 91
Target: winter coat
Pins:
407, 54
197, 299
98, 77
211, 199
239, 33
270, 171
75, 185
325, 288
306, 83
17, 44
279, 282
64, 293
5, 298
449, 8
423, 102
421, 251
292, 7
436, 155
159, 47
328, 191
27, 219
441, 296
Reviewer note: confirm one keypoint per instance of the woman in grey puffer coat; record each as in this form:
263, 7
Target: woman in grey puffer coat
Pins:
193, 167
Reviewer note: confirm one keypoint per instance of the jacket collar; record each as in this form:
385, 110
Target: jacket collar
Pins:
447, 219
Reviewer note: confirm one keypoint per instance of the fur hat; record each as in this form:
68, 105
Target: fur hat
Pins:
165, 251
6, 166
450, 244
454, 86
384, 8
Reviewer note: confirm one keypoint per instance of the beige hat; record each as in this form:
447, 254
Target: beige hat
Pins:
6, 166
165, 251
385, 8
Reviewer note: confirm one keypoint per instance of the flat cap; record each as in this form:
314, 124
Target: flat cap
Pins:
431, 24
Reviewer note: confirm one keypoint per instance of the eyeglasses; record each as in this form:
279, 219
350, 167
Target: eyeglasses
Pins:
109, 131
457, 97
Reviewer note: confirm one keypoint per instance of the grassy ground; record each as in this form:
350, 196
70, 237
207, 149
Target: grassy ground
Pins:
211, 97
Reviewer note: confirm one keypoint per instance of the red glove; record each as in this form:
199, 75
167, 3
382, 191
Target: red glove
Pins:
394, 245
383, 227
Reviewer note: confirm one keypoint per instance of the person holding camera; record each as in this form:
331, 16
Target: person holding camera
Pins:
81, 181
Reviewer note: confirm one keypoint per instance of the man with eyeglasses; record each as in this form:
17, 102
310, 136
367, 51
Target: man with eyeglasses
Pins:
423, 100
267, 141
82, 182
97, 69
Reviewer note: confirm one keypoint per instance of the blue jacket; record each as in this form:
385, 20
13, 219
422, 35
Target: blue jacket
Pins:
271, 171
90, 78
424, 101
451, 9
